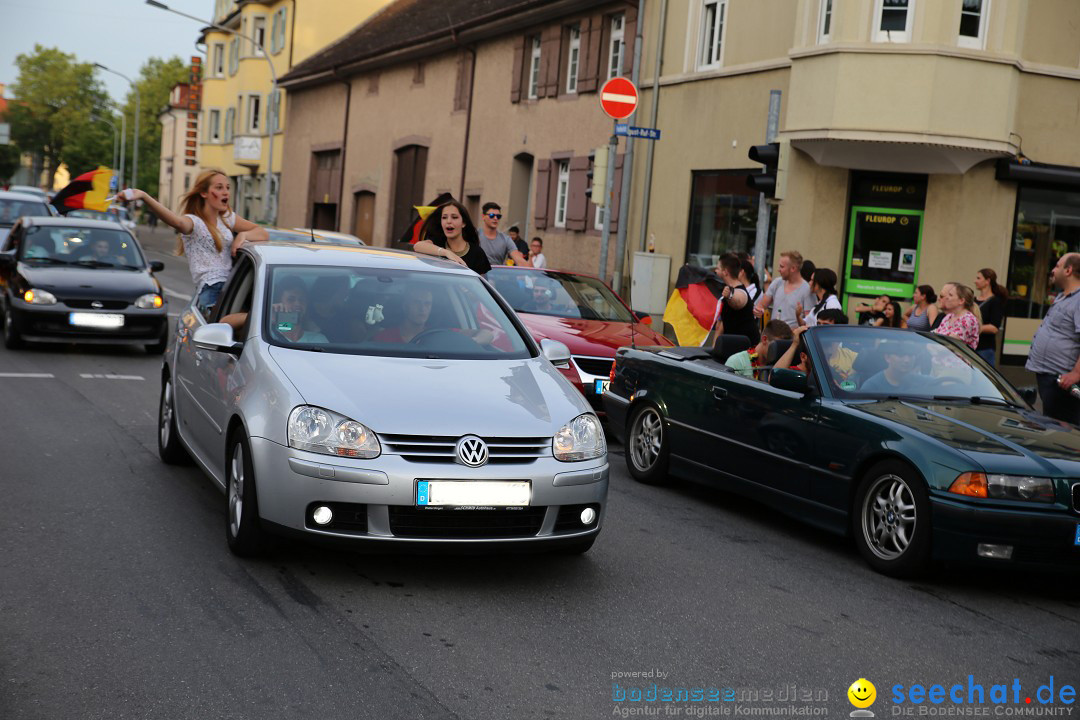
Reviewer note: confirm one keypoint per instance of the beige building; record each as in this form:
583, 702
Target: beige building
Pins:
487, 105
179, 144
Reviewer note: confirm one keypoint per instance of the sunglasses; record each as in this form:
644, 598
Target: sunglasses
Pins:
495, 216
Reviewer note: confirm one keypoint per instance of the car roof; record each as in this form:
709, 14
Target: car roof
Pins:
23, 196
315, 254
70, 222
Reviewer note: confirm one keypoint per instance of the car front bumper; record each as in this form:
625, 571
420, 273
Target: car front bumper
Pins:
375, 500
1044, 538
51, 323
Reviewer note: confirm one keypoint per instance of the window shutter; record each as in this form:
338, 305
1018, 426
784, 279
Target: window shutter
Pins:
591, 54
543, 186
550, 58
518, 76
284, 21
576, 202
630, 37
617, 192
464, 78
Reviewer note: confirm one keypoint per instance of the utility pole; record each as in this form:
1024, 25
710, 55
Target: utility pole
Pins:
628, 166
609, 193
761, 241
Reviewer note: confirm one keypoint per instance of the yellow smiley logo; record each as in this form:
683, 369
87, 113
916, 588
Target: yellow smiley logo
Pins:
862, 693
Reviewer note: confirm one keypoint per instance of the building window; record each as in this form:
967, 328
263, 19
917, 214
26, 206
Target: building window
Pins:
825, 26
234, 55
213, 127
258, 34
277, 32
230, 124
618, 46
253, 109
218, 69
562, 193
712, 33
894, 20
723, 217
573, 58
534, 69
973, 23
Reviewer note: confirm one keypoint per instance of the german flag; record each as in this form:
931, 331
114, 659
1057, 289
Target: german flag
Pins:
693, 308
88, 191
412, 233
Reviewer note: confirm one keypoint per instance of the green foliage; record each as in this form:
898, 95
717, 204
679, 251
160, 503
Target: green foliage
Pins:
9, 162
155, 81
54, 98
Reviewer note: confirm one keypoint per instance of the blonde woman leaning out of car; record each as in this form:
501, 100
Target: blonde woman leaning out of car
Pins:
210, 233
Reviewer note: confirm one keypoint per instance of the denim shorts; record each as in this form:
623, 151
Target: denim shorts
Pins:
208, 297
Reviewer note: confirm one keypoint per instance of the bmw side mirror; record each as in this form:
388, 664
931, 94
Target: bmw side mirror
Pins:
1029, 394
790, 380
217, 337
556, 352
156, 266
643, 317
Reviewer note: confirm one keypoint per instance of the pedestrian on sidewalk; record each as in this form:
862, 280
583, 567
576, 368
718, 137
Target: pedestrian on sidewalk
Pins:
787, 291
536, 253
515, 234
923, 312
991, 298
1055, 349
960, 320
496, 244
210, 232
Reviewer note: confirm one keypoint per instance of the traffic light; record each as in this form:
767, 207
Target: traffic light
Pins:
772, 179
596, 178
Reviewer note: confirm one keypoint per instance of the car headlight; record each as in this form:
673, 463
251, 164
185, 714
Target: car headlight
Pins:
580, 439
150, 301
1004, 487
35, 296
318, 430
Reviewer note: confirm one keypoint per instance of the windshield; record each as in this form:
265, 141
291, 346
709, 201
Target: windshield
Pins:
393, 313
863, 362
12, 210
89, 247
92, 215
558, 294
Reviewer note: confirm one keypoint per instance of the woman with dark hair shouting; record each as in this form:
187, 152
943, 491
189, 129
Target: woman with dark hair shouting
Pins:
991, 298
449, 233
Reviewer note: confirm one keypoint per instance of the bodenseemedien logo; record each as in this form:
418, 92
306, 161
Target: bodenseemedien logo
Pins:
862, 695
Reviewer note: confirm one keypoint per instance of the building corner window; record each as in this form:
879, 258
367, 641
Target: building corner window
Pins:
893, 19
712, 34
973, 14
825, 24
573, 59
562, 193
534, 69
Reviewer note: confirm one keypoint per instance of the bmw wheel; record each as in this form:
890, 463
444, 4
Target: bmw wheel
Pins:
242, 530
169, 448
647, 449
891, 522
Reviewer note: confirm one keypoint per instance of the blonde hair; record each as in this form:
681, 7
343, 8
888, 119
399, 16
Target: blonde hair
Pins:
795, 257
193, 203
967, 296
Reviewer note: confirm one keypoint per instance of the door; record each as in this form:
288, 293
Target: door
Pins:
364, 216
410, 171
521, 194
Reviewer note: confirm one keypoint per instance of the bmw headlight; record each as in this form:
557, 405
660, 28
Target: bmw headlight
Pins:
34, 296
150, 301
1004, 487
580, 439
318, 430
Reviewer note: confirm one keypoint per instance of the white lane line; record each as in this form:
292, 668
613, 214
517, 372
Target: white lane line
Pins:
26, 375
109, 376
177, 295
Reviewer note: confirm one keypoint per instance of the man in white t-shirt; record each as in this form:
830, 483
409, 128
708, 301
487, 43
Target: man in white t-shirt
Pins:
787, 292
536, 253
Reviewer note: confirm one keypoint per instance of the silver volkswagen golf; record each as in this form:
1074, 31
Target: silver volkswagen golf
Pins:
375, 396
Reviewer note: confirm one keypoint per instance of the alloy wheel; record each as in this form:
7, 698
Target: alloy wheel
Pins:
889, 517
236, 489
646, 440
165, 421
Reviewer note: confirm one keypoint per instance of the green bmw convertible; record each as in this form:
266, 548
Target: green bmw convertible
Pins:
906, 440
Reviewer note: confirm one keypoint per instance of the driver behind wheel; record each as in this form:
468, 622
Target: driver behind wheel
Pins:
900, 375
417, 310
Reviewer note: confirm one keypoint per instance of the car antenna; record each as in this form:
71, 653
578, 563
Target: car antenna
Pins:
312, 231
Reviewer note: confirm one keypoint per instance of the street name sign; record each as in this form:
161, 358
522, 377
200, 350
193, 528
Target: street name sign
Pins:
644, 133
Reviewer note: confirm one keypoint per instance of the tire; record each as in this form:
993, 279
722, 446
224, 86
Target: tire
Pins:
159, 347
891, 520
242, 529
647, 446
12, 339
578, 547
170, 450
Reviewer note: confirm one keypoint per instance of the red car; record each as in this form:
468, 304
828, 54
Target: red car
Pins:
579, 311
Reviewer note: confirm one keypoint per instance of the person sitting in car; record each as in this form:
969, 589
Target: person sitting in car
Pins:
797, 349
417, 312
747, 361
901, 375
102, 251
327, 310
289, 312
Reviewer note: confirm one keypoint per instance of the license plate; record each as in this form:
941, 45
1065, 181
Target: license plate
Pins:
472, 494
601, 386
1077, 540
96, 320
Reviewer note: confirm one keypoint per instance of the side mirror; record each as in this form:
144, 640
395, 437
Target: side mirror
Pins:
557, 353
156, 266
1029, 394
217, 337
642, 317
790, 380
7, 259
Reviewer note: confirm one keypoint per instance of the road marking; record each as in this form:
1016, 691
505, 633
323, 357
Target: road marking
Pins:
109, 376
178, 295
26, 375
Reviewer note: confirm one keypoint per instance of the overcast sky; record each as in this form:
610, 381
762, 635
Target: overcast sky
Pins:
121, 34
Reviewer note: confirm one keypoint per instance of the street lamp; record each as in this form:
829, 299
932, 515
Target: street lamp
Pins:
135, 151
115, 139
271, 115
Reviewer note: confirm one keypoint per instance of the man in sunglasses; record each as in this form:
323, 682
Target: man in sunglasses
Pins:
496, 244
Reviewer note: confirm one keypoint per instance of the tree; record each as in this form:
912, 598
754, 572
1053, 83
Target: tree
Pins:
9, 162
50, 115
155, 82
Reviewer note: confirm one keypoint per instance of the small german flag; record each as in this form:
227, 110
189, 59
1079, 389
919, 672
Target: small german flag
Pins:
693, 307
88, 191
412, 233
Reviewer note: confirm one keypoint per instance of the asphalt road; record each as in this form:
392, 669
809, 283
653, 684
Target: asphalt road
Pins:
119, 598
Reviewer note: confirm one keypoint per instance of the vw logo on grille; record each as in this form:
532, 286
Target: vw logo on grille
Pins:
97, 305
472, 451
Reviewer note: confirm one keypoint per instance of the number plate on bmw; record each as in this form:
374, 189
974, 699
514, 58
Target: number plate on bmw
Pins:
96, 320
1077, 540
473, 494
601, 386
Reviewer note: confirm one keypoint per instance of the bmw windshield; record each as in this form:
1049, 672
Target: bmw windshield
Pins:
559, 294
392, 313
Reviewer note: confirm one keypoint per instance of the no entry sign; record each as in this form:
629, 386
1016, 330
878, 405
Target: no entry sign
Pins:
619, 98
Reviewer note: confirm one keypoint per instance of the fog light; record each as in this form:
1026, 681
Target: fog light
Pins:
588, 515
997, 552
322, 515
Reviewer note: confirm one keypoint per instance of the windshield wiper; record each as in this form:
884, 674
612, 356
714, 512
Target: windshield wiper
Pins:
95, 263
49, 260
979, 400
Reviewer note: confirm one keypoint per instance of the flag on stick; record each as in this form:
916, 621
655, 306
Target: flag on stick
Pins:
89, 191
693, 306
